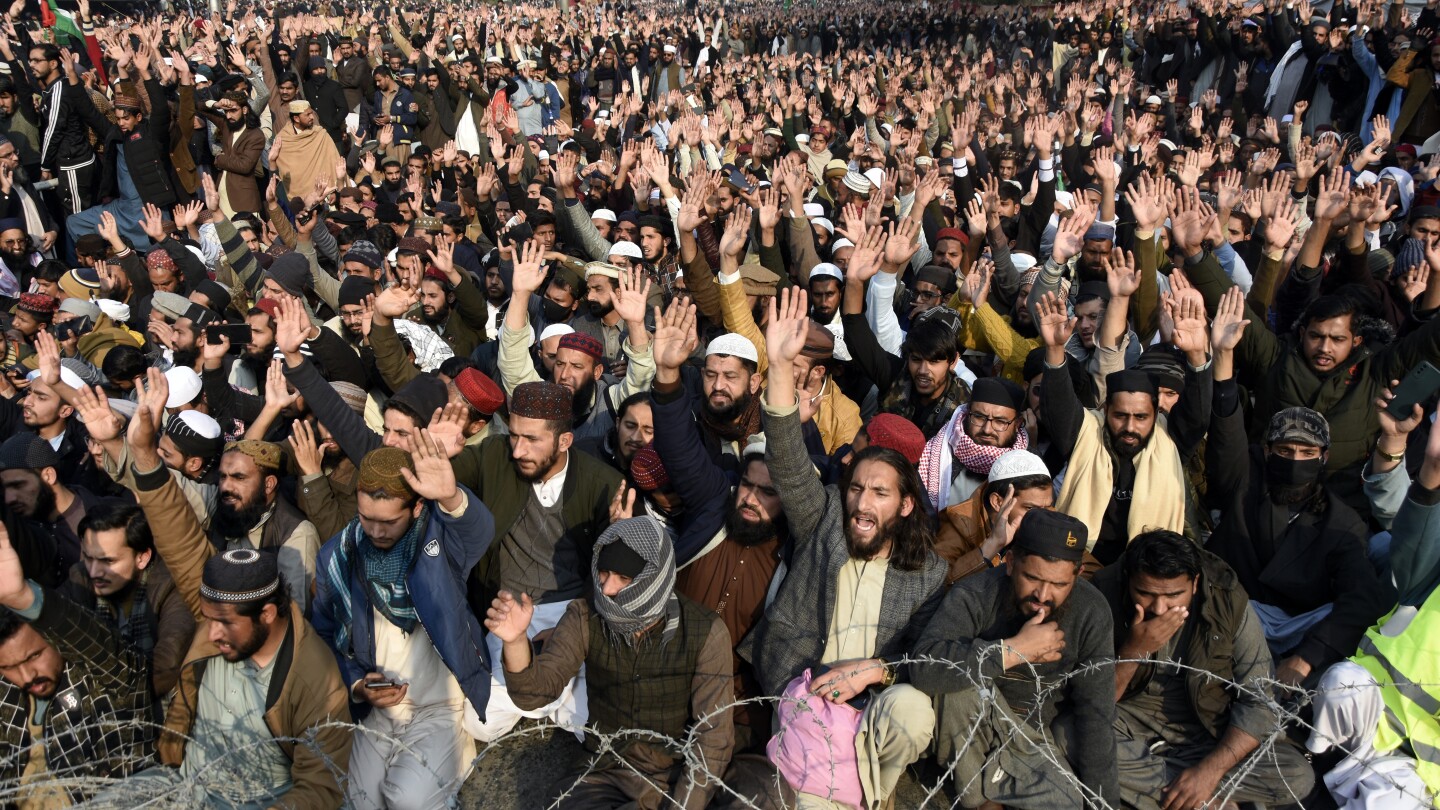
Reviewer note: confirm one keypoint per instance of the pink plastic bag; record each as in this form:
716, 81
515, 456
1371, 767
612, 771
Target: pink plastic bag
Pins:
814, 748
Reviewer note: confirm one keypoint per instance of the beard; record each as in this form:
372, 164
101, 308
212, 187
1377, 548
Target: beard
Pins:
1129, 452
580, 400
13, 258
438, 317
540, 469
750, 532
1015, 606
259, 634
258, 364
236, 520
731, 412
860, 549
185, 357
42, 508
599, 310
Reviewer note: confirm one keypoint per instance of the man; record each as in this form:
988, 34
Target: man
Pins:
740, 534
1376, 706
74, 698
549, 505
450, 309
633, 622
287, 737
1297, 549
393, 106
141, 138
35, 492
579, 361
973, 534
1182, 612
918, 384
861, 553
122, 579
19, 197
18, 257
386, 596
45, 413
66, 116
957, 460
240, 144
250, 512
327, 98
33, 313
1035, 617
303, 151
1124, 476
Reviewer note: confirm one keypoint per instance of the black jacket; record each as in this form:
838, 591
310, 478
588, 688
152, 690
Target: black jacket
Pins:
66, 117
1318, 557
147, 155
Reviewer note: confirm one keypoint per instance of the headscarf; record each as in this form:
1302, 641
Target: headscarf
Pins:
650, 596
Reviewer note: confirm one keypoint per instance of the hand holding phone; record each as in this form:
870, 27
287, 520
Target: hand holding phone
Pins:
1419, 385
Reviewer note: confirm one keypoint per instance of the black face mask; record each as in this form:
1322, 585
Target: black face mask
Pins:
1291, 472
554, 313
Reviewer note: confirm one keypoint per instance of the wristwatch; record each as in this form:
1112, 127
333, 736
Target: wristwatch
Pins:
888, 679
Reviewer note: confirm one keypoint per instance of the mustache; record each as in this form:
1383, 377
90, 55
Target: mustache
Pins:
39, 682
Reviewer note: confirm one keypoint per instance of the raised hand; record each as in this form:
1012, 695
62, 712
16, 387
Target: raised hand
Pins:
304, 447
901, 243
737, 232
529, 271
1070, 234
1055, 324
675, 338
92, 407
1188, 315
1121, 274
629, 297
787, 328
433, 478
292, 326
1230, 322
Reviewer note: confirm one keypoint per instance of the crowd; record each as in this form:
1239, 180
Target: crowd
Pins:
1038, 401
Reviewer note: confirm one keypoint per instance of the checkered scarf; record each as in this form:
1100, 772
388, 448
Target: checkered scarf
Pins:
651, 595
935, 463
137, 632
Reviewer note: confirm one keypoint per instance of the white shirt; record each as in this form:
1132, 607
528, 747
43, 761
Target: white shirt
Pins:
548, 492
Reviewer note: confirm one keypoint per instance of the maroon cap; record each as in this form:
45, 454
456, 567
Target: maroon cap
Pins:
897, 433
953, 233
480, 391
583, 343
647, 471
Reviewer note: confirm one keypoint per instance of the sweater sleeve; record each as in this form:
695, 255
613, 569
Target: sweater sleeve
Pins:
792, 472
559, 661
355, 438
712, 690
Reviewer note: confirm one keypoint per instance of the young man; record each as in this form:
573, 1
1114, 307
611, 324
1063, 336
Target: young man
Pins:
386, 593
657, 661
861, 554
1183, 613
1035, 617
75, 700
279, 735
973, 534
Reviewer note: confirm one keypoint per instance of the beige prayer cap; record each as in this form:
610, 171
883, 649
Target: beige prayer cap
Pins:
298, 106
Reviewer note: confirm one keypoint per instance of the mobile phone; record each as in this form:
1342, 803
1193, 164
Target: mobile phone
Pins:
383, 685
1418, 386
238, 333
552, 145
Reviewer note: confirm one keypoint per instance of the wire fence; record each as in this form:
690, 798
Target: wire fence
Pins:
225, 773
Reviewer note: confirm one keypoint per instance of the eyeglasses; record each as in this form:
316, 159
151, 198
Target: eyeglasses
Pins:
981, 420
926, 295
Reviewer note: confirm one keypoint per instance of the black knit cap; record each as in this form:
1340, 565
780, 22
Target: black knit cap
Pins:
240, 575
1051, 534
27, 451
422, 396
354, 290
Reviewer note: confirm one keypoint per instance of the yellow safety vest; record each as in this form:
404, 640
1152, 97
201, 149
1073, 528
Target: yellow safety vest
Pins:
1407, 667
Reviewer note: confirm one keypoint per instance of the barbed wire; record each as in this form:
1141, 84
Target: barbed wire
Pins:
606, 750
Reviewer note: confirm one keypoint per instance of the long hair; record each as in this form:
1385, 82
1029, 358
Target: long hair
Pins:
914, 534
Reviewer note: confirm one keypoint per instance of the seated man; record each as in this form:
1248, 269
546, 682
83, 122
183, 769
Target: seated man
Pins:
860, 553
1378, 706
973, 533
957, 460
1297, 549
122, 579
634, 622
75, 699
260, 715
1038, 618
388, 610
1184, 733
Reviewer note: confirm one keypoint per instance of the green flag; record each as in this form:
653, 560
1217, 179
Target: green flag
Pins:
65, 25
